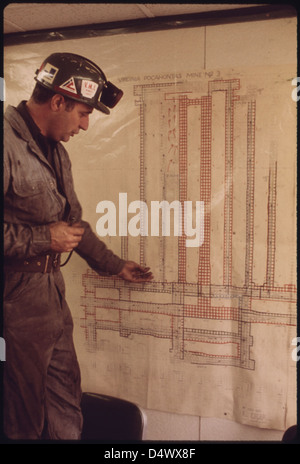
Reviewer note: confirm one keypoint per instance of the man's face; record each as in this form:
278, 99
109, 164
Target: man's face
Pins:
67, 123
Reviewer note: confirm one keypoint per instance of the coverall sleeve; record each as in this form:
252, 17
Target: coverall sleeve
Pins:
23, 241
97, 255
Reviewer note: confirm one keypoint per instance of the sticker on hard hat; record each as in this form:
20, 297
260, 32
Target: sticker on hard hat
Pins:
88, 88
69, 86
48, 73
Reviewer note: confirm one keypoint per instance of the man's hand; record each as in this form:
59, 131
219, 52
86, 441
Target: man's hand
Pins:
65, 237
133, 272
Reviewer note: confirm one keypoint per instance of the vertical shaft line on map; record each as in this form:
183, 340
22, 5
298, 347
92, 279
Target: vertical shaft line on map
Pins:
204, 266
182, 182
142, 171
250, 193
271, 240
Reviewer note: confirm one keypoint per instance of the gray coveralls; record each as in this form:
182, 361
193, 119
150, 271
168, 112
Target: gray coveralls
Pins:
42, 390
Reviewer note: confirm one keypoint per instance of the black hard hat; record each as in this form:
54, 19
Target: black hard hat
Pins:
79, 79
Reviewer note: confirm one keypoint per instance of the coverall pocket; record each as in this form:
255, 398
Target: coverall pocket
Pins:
28, 194
26, 189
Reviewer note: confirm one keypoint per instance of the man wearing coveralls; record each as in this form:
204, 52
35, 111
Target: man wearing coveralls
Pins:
42, 219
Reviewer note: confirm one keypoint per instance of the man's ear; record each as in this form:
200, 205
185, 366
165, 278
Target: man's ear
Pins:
57, 102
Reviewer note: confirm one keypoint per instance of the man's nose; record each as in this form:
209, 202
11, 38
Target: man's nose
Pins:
84, 123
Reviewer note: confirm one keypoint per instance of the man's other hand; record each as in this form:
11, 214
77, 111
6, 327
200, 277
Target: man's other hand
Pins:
65, 237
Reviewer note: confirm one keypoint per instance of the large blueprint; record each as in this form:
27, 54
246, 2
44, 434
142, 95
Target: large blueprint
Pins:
215, 144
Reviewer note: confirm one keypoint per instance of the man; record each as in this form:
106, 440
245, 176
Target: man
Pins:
42, 219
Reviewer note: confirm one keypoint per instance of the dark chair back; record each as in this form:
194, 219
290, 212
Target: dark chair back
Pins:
112, 419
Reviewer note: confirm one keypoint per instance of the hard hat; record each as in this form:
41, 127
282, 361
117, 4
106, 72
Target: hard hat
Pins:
80, 79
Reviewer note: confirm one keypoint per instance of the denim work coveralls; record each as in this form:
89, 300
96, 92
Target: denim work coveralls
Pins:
42, 390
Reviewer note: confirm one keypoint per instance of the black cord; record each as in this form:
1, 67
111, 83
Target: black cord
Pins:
67, 260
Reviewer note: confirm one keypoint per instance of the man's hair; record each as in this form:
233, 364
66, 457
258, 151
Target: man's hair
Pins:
41, 95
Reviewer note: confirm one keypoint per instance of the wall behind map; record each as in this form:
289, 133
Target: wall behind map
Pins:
106, 161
